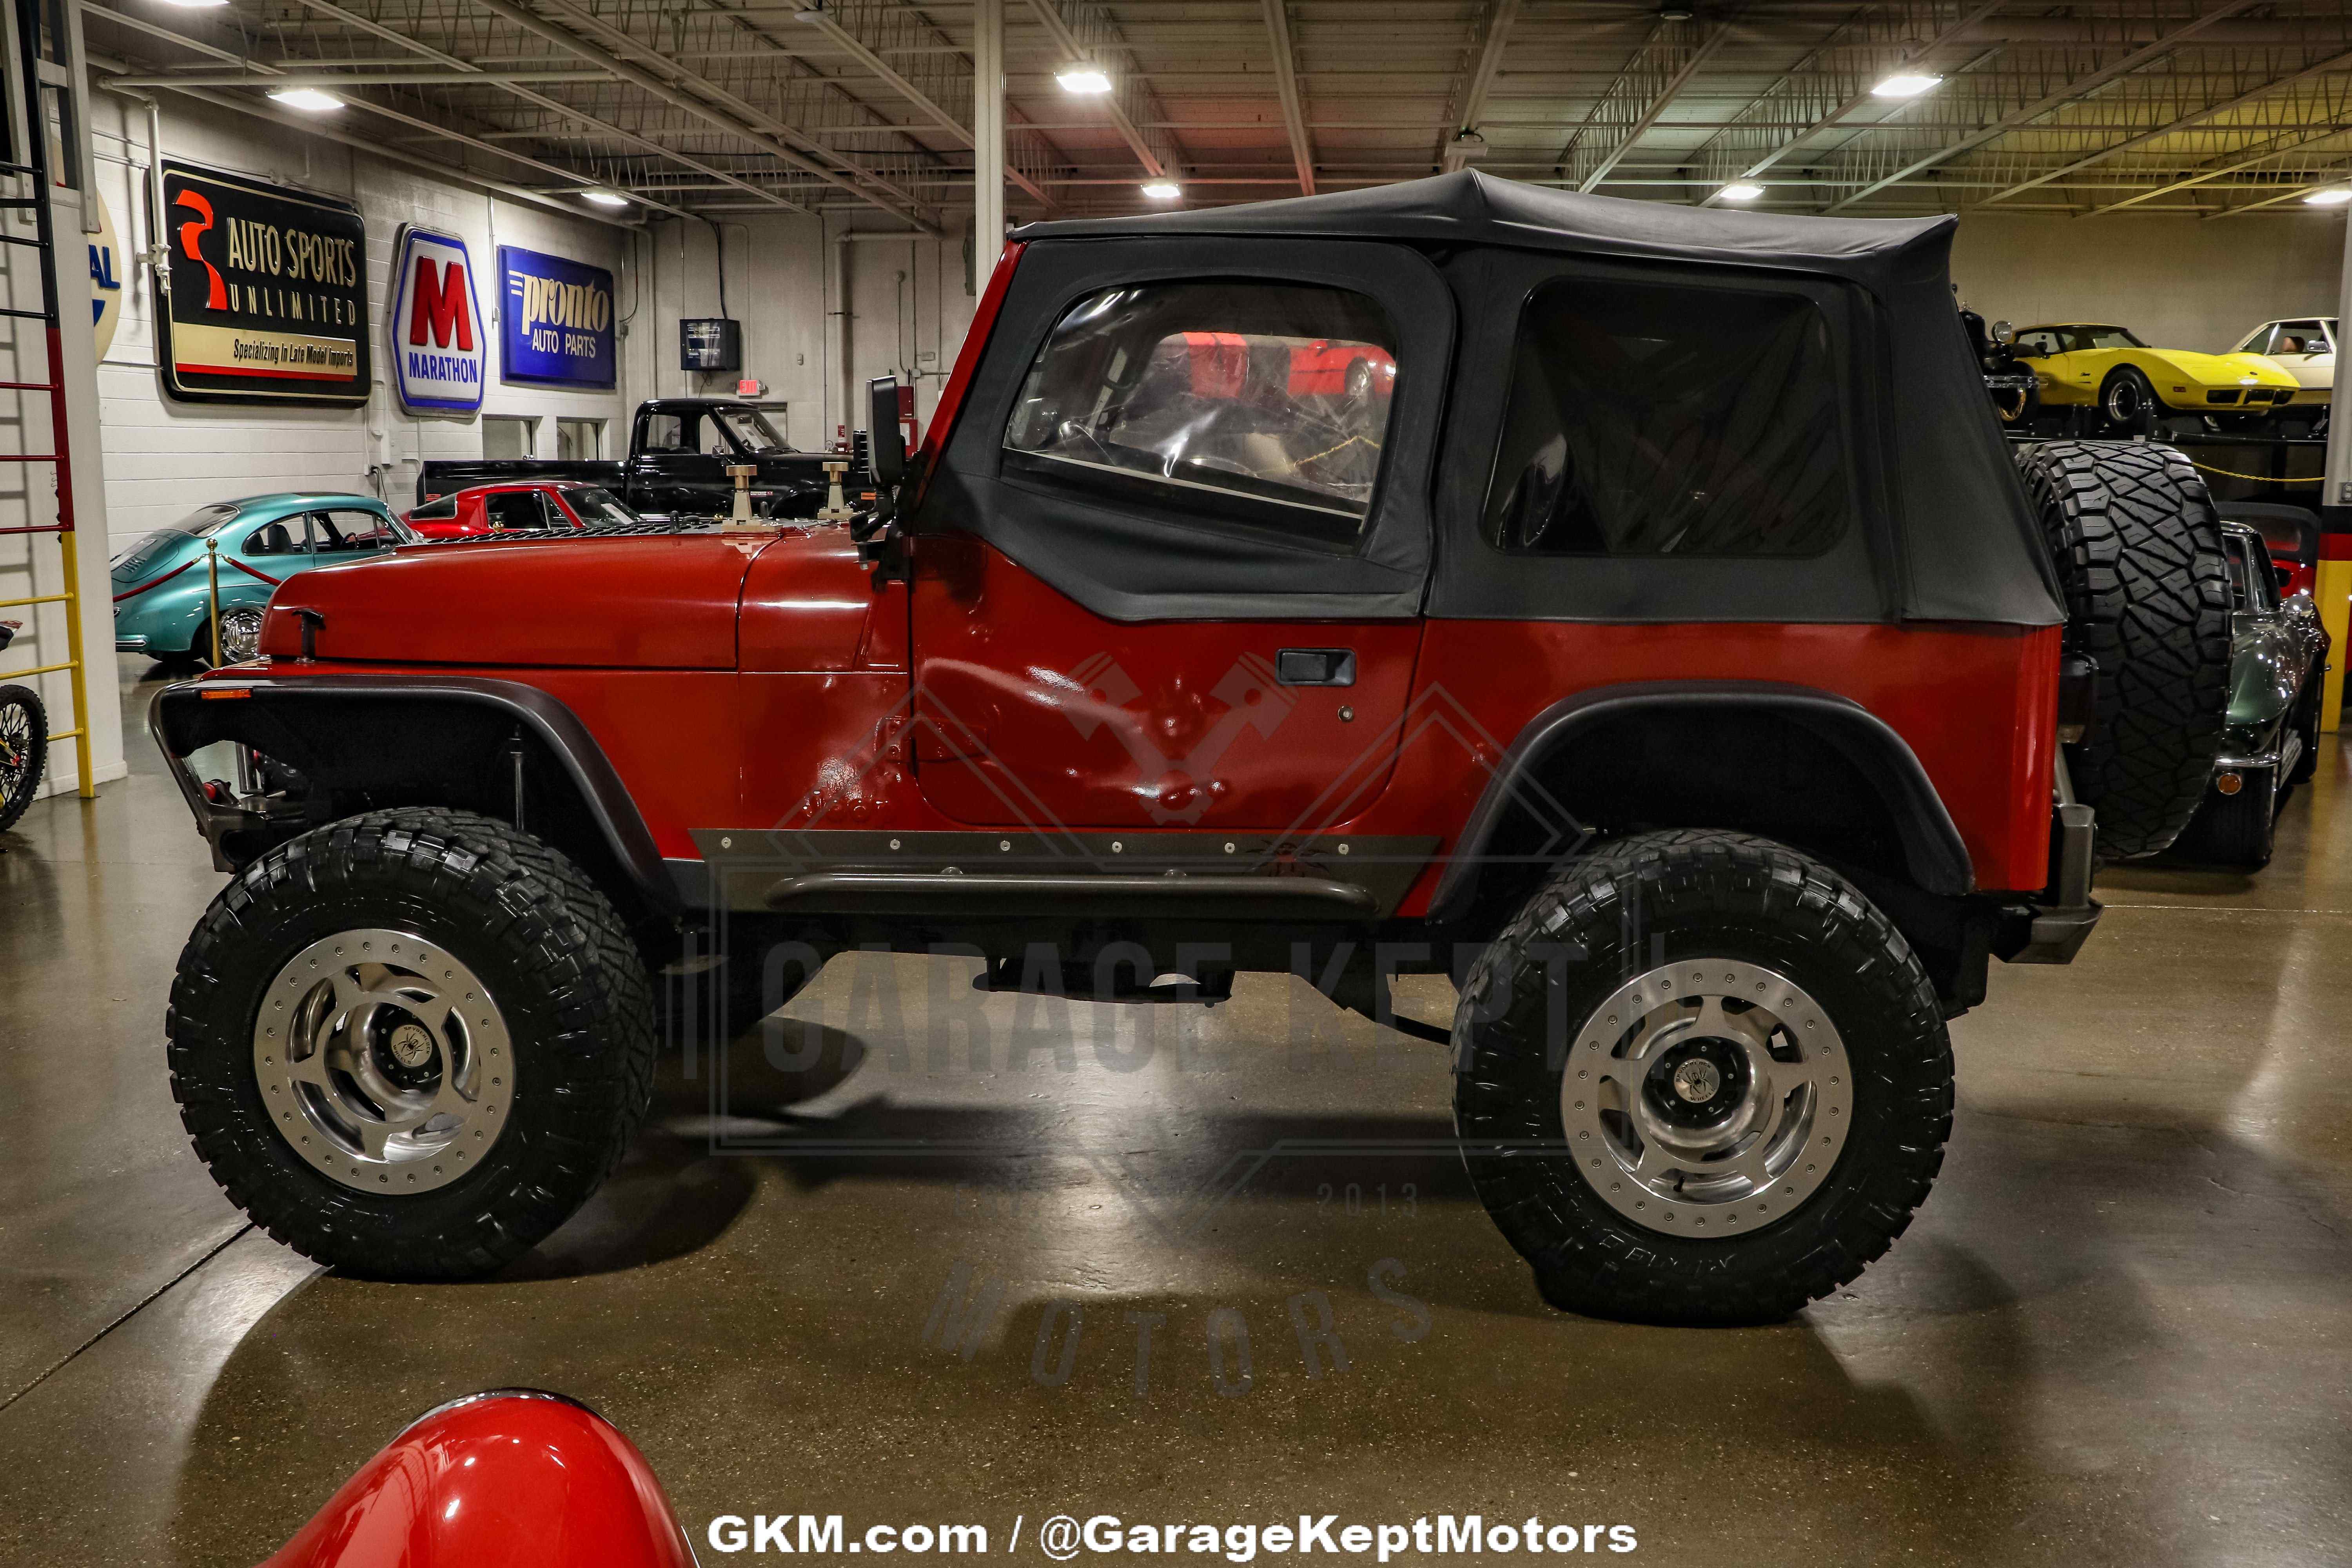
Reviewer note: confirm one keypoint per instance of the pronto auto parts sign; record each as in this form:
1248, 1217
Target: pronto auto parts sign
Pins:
268, 292
439, 347
557, 325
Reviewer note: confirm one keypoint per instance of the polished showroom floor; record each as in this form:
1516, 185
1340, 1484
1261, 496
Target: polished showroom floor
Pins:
2120, 1332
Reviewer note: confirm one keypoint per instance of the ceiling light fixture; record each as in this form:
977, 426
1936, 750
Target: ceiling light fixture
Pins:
306, 98
1164, 190
2334, 199
1083, 79
1672, 11
1905, 84
1740, 193
194, 4
606, 198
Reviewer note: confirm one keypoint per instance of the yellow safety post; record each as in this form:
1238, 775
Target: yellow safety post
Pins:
85, 776
2332, 588
212, 570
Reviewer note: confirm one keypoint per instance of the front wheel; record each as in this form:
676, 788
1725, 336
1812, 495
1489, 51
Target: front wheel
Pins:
1699, 1079
411, 1044
24, 751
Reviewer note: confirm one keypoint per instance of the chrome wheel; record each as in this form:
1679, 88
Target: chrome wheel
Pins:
1706, 1097
384, 1061
240, 636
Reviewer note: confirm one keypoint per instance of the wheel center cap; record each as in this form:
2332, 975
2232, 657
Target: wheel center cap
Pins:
412, 1046
1696, 1080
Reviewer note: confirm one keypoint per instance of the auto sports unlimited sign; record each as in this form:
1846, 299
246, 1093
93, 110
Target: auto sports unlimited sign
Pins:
268, 297
439, 348
557, 326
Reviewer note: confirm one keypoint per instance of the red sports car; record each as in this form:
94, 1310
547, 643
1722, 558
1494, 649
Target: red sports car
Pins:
539, 506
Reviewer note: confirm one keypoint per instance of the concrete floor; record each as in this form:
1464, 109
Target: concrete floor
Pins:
2118, 1333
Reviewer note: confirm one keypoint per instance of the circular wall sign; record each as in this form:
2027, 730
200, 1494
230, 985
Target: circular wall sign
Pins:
107, 263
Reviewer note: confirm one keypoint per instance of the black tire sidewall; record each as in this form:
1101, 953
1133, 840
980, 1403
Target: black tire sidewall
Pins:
1592, 1257
36, 731
550, 1155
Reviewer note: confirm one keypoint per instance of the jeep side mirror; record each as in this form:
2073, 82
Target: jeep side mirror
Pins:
886, 437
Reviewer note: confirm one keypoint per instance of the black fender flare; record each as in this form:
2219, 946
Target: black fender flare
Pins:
1933, 850
194, 713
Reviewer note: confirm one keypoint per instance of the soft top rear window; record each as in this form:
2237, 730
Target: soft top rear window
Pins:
1652, 419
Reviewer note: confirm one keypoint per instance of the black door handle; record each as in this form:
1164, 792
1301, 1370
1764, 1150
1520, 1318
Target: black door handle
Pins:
1315, 666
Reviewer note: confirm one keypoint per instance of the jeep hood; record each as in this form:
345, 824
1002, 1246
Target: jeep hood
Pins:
655, 602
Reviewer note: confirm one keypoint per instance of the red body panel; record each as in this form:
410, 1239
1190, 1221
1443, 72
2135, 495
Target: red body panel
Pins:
661, 601
502, 1481
809, 604
472, 520
1039, 712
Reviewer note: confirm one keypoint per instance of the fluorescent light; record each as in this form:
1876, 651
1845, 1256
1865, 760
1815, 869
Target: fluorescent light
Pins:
2334, 199
606, 198
194, 4
1163, 191
1905, 85
1739, 193
1083, 79
308, 98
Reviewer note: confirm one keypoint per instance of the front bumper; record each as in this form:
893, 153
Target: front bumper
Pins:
131, 644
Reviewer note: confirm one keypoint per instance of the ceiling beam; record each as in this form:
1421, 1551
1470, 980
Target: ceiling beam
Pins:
2339, 62
1286, 80
2204, 175
554, 106
302, 73
2074, 89
1064, 39
720, 110
1657, 105
1460, 148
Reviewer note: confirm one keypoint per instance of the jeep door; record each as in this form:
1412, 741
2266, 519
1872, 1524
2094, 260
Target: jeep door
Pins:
1163, 580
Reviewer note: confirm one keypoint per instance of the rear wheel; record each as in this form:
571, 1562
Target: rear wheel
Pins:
24, 751
2137, 546
1699, 1079
2128, 403
411, 1044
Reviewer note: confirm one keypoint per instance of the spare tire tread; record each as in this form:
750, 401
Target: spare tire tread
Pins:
2139, 547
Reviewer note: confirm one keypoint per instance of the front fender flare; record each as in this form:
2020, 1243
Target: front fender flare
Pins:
182, 719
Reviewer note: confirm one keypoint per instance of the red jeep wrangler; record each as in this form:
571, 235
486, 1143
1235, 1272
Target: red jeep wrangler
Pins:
1630, 610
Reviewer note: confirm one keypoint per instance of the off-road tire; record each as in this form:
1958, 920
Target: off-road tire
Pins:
2235, 830
1664, 897
561, 968
24, 701
2137, 546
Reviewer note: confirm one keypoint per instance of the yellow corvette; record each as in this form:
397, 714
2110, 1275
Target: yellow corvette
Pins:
2132, 385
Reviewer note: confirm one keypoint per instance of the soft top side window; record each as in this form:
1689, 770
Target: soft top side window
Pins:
1661, 419
1255, 402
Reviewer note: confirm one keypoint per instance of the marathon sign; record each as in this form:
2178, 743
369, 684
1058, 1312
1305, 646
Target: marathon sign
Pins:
556, 326
265, 295
440, 345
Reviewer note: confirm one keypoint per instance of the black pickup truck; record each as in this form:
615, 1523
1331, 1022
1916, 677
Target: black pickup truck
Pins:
679, 452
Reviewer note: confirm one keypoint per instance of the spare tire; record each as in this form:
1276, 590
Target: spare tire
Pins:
2139, 548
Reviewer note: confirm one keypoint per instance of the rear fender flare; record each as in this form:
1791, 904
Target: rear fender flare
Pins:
1936, 857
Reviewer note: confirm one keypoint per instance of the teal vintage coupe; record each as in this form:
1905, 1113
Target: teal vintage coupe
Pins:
163, 581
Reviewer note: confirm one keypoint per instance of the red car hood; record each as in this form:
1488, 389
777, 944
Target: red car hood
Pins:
660, 601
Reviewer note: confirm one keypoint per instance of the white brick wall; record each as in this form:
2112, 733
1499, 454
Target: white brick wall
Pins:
165, 458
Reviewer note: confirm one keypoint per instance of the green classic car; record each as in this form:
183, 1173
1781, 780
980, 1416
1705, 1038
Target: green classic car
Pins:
163, 584
2271, 740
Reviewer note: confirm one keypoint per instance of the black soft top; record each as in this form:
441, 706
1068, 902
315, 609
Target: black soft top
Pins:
1952, 538
1472, 208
